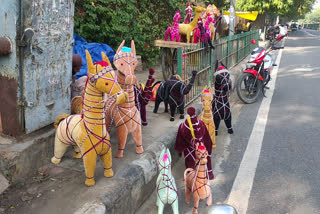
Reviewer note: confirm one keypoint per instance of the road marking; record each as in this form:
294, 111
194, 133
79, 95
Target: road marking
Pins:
241, 189
309, 34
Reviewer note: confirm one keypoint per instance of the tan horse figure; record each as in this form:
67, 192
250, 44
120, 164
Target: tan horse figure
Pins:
125, 117
206, 114
186, 29
87, 132
196, 180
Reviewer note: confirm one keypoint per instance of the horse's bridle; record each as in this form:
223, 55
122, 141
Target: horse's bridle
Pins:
95, 77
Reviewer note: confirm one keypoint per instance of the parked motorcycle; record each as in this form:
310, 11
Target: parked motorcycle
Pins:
253, 81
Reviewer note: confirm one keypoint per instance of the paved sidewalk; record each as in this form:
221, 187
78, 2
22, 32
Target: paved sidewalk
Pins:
60, 189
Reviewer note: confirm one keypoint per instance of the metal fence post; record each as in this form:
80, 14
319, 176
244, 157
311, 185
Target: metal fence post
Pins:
238, 49
179, 58
228, 50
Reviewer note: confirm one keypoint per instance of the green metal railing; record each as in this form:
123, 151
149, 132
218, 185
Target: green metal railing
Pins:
312, 26
228, 50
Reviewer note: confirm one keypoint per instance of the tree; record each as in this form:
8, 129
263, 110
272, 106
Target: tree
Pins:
293, 9
111, 21
313, 17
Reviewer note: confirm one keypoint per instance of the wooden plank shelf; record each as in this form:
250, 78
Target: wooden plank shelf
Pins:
169, 44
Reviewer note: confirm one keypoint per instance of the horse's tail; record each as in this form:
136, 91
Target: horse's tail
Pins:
167, 33
60, 118
154, 84
186, 172
76, 105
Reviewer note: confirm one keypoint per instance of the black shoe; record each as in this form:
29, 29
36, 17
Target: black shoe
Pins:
181, 116
154, 111
172, 119
216, 133
230, 131
166, 110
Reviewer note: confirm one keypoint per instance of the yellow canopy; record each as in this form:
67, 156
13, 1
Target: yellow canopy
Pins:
246, 15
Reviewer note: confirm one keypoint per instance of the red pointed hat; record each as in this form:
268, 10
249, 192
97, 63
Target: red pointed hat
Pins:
197, 127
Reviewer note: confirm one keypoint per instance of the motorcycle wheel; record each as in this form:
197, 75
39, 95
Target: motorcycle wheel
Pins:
247, 89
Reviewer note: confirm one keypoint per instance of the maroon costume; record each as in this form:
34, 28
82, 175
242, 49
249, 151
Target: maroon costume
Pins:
142, 97
186, 144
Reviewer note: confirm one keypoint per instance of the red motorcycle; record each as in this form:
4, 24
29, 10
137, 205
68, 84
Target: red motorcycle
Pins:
253, 81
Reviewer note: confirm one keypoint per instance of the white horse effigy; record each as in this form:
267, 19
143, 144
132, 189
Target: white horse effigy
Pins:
167, 192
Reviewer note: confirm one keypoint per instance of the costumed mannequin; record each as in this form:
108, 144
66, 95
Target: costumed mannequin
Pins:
87, 132
190, 132
77, 85
125, 117
188, 11
201, 35
209, 20
220, 105
167, 192
196, 180
221, 24
172, 92
173, 31
143, 95
206, 114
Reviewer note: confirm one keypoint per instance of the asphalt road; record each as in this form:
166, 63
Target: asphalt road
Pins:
283, 133
288, 172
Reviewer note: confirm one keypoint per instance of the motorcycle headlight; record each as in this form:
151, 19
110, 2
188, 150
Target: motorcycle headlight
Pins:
252, 58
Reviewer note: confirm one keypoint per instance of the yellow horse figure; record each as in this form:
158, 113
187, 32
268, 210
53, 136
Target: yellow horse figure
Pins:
186, 29
87, 131
206, 114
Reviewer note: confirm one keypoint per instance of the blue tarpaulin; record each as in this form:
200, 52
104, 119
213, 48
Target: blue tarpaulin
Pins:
95, 49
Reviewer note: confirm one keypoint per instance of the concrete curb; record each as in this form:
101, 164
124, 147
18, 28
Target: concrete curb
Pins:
137, 181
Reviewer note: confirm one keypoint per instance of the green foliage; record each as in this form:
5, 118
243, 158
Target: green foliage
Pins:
221, 4
313, 17
111, 21
288, 8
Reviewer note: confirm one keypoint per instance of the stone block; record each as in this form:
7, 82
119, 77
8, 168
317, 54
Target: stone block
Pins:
4, 183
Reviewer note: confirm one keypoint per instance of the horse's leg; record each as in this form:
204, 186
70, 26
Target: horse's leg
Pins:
122, 134
137, 138
107, 163
143, 114
216, 120
172, 111
157, 103
188, 36
229, 125
172, 34
160, 206
209, 199
181, 110
175, 207
59, 147
165, 106
76, 153
89, 161
166, 34
196, 199
188, 193
178, 37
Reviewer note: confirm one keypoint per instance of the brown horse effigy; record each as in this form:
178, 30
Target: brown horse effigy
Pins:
197, 180
125, 117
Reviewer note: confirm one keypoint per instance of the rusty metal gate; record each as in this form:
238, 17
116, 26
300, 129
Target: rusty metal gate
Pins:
47, 60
